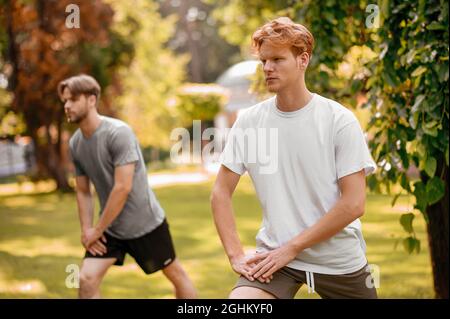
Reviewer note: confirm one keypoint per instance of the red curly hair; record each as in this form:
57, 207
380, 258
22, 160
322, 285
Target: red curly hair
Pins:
283, 31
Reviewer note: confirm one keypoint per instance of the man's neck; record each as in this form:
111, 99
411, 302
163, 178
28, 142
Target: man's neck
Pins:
293, 98
90, 124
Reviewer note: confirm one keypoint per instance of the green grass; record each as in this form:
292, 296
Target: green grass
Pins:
39, 238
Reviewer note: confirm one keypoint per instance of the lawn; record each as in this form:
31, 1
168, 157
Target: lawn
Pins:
39, 238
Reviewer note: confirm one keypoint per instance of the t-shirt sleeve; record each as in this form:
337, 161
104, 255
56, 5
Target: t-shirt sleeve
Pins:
123, 146
232, 155
79, 171
351, 151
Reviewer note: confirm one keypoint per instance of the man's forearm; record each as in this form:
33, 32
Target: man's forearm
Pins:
329, 225
113, 207
226, 227
85, 209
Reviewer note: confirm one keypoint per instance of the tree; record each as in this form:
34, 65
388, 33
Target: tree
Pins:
151, 80
409, 97
196, 34
40, 49
405, 83
200, 102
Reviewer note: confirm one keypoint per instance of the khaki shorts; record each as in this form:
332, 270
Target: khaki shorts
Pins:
287, 281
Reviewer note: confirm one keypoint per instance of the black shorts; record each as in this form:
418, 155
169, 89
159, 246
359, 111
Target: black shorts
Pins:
153, 251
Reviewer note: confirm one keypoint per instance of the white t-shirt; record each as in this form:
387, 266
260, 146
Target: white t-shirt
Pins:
309, 150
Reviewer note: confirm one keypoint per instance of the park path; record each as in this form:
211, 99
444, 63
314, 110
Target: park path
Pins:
155, 180
164, 179
160, 179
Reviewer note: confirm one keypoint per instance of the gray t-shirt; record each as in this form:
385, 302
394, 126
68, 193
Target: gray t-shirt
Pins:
114, 144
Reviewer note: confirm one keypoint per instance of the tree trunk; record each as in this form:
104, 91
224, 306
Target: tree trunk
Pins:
154, 155
438, 239
49, 162
54, 163
57, 171
196, 56
48, 155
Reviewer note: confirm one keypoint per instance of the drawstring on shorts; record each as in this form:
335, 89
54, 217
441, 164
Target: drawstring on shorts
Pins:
310, 282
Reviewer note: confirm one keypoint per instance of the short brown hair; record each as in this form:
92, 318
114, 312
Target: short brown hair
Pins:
283, 31
80, 84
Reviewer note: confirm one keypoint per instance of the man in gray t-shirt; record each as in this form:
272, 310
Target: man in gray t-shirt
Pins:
106, 152
111, 145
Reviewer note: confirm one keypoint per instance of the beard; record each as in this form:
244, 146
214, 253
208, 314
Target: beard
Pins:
273, 88
77, 118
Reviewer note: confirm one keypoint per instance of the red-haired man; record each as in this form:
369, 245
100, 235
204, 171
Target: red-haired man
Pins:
311, 232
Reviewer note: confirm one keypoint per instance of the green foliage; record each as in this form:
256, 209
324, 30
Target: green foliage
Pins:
151, 81
411, 244
199, 102
406, 221
11, 124
408, 95
435, 190
197, 35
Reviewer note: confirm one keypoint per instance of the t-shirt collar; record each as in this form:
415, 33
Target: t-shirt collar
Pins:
296, 113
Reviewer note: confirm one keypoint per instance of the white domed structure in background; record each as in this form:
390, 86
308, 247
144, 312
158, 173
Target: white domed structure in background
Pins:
236, 80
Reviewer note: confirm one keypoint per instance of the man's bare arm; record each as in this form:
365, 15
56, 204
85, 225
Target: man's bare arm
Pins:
86, 214
123, 183
223, 214
222, 208
85, 202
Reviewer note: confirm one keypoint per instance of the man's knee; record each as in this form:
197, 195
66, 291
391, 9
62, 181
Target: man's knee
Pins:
244, 292
90, 280
174, 271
